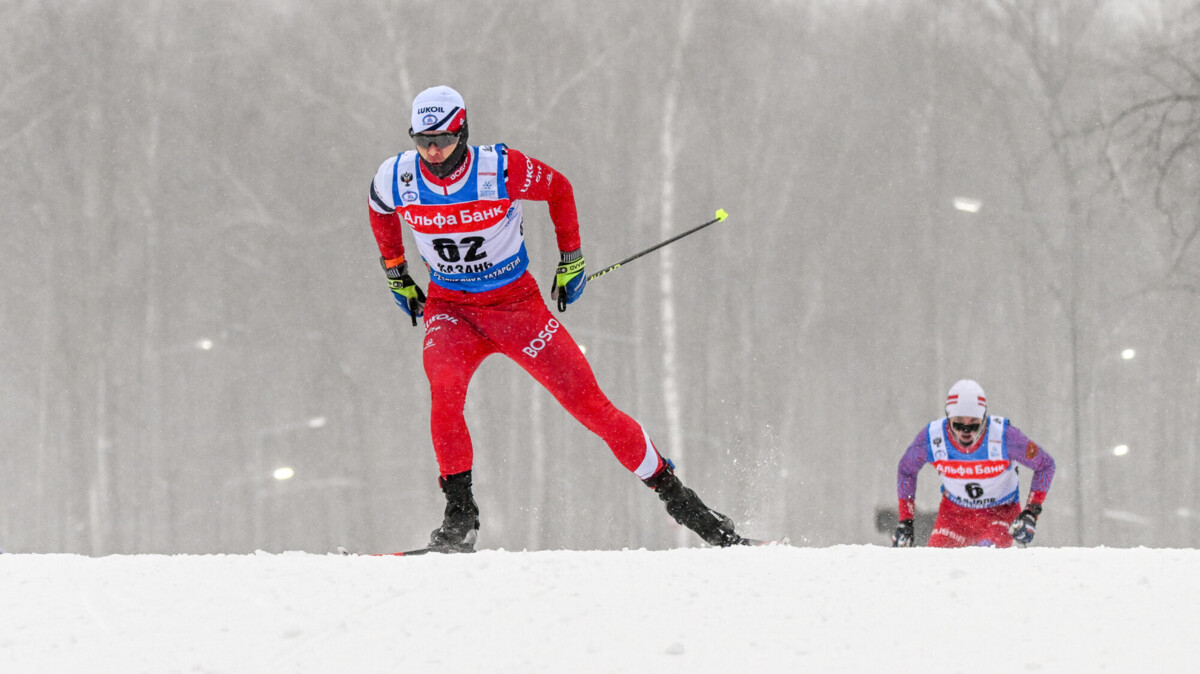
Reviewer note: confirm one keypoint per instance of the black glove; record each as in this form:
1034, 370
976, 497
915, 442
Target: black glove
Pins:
1025, 526
903, 536
408, 295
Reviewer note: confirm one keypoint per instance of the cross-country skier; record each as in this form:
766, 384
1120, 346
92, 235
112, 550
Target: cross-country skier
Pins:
974, 455
463, 205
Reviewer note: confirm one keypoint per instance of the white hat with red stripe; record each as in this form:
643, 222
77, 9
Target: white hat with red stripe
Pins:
966, 399
438, 109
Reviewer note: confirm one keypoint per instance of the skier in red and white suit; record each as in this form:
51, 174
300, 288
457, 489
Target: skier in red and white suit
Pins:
463, 205
975, 455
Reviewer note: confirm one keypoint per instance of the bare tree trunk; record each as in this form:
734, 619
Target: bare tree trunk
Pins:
666, 280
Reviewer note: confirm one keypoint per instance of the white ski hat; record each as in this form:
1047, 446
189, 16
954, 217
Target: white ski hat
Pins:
438, 109
966, 399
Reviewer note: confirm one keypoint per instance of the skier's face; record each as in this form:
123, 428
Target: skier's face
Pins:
966, 430
435, 148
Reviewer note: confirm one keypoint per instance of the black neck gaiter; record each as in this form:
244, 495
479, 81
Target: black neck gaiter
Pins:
454, 160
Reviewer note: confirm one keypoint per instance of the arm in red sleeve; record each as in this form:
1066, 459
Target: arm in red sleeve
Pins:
528, 178
388, 235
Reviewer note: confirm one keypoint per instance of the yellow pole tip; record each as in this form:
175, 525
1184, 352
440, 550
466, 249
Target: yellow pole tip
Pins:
721, 214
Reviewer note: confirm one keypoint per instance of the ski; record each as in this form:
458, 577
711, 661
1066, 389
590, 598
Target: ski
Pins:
441, 550
762, 542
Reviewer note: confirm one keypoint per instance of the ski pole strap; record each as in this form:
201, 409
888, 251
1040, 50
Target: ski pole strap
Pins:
721, 215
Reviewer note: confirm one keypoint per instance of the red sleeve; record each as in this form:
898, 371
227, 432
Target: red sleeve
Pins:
528, 178
388, 235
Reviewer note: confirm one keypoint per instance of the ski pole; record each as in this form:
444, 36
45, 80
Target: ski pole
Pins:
721, 215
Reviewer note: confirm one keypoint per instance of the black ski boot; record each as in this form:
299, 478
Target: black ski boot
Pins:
460, 526
688, 510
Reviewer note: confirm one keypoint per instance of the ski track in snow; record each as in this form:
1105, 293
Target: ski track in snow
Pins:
836, 609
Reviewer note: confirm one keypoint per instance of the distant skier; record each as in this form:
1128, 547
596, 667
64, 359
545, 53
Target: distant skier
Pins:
974, 454
463, 206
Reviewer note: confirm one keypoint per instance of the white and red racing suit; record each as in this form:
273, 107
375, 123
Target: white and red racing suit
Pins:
482, 300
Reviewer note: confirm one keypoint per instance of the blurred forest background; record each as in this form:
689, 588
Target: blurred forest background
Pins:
192, 297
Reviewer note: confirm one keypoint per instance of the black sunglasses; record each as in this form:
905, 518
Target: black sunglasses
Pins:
441, 140
965, 428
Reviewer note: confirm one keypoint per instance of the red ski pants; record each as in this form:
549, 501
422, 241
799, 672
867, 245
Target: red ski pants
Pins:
959, 527
461, 331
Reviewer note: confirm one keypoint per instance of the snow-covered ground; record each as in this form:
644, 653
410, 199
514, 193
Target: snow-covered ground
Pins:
779, 609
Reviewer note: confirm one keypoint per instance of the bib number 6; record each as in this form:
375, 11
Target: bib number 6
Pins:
974, 489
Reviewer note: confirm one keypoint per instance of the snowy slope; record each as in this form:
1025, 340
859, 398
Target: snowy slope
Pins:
839, 609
